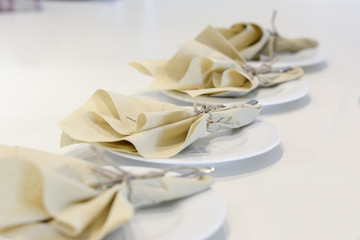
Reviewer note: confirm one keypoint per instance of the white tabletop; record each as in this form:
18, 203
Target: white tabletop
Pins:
306, 188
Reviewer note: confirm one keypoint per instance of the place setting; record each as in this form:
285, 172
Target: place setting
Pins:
159, 132
300, 52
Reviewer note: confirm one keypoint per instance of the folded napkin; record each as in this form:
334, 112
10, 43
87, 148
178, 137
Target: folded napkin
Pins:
254, 42
148, 128
212, 67
46, 196
248, 39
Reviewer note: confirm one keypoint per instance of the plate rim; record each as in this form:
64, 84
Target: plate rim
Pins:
172, 161
318, 58
265, 103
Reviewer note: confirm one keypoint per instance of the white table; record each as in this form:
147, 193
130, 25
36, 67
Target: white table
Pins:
306, 188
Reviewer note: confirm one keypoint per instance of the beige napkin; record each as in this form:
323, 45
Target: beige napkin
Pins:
209, 68
46, 196
248, 39
148, 128
254, 43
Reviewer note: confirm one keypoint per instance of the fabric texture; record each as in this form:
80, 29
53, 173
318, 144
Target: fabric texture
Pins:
256, 43
148, 128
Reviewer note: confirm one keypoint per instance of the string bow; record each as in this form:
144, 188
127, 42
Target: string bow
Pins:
262, 69
207, 108
117, 175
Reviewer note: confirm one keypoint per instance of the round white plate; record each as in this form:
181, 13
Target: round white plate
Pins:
196, 217
281, 93
303, 58
227, 145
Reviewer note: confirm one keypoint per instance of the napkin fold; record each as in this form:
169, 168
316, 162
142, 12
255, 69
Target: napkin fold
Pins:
211, 67
46, 196
249, 39
256, 43
148, 128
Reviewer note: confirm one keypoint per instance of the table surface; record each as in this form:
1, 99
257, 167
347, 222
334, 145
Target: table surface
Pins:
52, 60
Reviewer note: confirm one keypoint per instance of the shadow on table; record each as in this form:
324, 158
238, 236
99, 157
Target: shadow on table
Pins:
316, 68
248, 166
287, 107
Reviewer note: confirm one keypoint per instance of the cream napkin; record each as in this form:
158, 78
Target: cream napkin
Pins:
210, 68
45, 196
253, 42
148, 128
248, 39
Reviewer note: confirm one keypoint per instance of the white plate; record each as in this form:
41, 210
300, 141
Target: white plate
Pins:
227, 145
281, 93
196, 217
303, 58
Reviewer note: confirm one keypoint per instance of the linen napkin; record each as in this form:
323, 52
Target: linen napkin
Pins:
212, 67
45, 196
254, 42
249, 39
148, 128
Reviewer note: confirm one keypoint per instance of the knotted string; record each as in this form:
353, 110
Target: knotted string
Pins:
118, 175
273, 32
262, 69
207, 108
